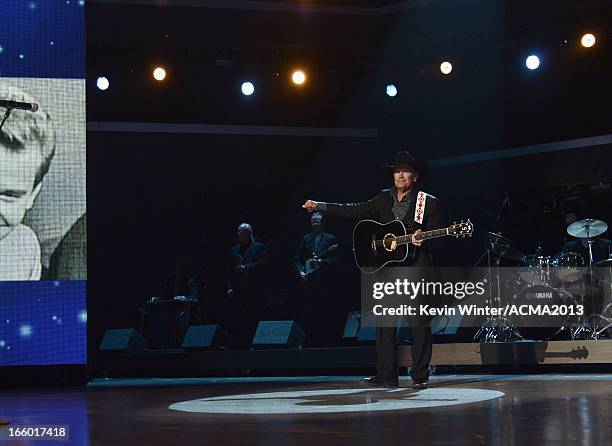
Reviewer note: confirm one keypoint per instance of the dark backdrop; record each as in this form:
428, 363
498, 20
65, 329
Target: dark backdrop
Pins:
155, 197
152, 197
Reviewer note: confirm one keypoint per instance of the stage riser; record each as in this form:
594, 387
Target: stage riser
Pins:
231, 362
517, 353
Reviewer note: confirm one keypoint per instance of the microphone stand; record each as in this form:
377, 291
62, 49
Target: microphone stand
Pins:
501, 210
487, 252
7, 113
585, 326
495, 328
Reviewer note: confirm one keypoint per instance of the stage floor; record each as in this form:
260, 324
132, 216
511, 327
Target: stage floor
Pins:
465, 409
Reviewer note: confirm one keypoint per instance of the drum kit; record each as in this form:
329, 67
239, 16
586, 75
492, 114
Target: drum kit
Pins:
567, 278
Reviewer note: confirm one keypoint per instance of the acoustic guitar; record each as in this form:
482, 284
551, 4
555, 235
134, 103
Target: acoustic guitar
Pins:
376, 245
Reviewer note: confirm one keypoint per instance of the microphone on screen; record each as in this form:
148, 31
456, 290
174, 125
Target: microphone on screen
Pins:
14, 105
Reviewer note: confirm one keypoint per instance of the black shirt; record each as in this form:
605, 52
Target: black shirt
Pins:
401, 208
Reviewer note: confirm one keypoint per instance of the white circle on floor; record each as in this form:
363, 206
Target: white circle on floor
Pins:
334, 401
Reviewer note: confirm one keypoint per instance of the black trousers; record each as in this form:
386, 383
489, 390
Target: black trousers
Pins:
243, 315
422, 339
317, 313
386, 352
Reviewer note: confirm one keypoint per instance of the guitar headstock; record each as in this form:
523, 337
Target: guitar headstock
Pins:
463, 229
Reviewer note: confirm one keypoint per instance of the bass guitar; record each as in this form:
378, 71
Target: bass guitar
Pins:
314, 263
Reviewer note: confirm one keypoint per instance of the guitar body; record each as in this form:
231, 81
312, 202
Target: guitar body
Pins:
310, 266
376, 245
371, 256
313, 264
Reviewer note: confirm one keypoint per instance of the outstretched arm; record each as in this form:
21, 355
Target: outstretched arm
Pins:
366, 209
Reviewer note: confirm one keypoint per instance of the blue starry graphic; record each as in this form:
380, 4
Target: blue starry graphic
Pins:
42, 38
43, 323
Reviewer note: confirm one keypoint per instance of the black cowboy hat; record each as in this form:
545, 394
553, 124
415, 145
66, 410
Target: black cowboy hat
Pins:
405, 159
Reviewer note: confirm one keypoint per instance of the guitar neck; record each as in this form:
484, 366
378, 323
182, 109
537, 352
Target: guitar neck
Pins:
324, 253
435, 233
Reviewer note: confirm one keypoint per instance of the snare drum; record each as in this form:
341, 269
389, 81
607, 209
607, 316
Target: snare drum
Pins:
567, 267
536, 270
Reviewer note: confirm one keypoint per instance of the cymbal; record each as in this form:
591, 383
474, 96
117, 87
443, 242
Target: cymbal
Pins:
588, 228
605, 262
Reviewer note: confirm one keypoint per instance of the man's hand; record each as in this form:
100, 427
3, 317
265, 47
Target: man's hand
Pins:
230, 292
154, 299
310, 205
180, 298
416, 242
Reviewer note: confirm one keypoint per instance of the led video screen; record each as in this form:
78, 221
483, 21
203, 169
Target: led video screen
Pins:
43, 223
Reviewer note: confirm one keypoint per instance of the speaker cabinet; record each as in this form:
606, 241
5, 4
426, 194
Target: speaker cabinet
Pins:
123, 339
206, 337
278, 334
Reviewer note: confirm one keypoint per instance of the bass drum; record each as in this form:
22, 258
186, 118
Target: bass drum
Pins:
533, 327
568, 267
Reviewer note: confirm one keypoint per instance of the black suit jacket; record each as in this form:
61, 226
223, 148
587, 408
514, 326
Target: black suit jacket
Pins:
379, 209
306, 249
254, 261
69, 260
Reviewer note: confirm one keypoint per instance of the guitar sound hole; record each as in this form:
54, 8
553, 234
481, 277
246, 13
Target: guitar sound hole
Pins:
389, 242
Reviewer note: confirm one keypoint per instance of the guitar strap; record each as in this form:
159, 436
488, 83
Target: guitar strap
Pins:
419, 210
242, 257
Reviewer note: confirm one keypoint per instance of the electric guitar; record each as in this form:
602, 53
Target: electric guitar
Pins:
314, 263
377, 244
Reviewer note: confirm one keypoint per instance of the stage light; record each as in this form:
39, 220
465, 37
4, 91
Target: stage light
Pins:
298, 77
247, 88
159, 74
391, 90
532, 62
446, 67
588, 40
102, 83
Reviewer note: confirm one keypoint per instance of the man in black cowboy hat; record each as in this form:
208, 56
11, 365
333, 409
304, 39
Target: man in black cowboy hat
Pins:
399, 203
